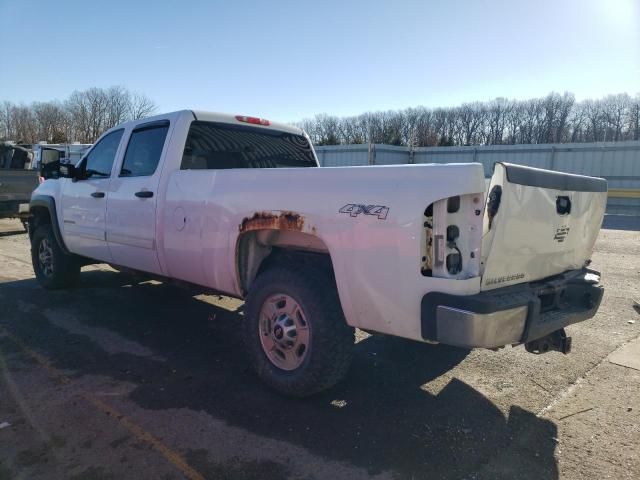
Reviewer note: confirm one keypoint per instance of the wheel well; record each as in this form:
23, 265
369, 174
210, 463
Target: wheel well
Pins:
260, 250
39, 216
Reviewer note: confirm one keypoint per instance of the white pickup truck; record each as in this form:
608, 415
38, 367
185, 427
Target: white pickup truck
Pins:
237, 205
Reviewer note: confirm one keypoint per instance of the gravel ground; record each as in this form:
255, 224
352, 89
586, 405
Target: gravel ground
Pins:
121, 378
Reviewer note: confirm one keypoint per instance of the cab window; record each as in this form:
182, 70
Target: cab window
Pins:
144, 150
219, 146
100, 159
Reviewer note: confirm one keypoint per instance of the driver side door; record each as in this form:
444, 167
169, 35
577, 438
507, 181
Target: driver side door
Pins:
84, 200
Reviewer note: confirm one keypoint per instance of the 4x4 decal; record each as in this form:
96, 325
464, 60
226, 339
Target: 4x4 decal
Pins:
354, 210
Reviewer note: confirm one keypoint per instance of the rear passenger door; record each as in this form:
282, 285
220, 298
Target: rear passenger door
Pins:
131, 204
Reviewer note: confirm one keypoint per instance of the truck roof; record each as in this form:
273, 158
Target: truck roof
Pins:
232, 118
220, 117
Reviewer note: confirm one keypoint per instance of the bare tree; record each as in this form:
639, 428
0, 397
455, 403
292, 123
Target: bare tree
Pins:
578, 123
23, 119
83, 116
470, 119
50, 121
6, 128
595, 116
350, 133
556, 118
514, 120
497, 113
615, 109
556, 110
141, 106
77, 106
634, 118
118, 104
425, 130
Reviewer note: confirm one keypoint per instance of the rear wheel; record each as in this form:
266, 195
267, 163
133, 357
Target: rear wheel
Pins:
53, 268
295, 332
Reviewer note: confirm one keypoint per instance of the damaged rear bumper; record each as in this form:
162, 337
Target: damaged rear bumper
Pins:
511, 315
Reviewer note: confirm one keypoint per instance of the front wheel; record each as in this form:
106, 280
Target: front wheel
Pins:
295, 332
53, 268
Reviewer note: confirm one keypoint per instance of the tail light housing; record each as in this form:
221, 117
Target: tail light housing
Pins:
453, 237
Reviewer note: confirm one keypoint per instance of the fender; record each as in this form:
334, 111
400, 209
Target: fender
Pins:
49, 203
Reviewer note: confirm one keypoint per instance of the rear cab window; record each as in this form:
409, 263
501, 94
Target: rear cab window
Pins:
219, 146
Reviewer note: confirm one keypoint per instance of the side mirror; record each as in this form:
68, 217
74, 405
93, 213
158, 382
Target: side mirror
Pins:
50, 170
67, 170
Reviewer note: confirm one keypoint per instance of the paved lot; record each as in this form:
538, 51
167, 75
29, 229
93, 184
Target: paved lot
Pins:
119, 378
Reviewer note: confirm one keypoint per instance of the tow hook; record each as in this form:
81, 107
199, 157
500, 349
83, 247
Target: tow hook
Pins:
556, 341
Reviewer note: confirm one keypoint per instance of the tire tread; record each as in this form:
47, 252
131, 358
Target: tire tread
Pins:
66, 267
332, 341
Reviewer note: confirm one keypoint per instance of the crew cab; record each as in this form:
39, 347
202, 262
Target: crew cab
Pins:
239, 206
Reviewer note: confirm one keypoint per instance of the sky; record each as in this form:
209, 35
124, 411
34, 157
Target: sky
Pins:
289, 60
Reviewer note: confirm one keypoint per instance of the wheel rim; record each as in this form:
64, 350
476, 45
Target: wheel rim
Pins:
45, 257
284, 332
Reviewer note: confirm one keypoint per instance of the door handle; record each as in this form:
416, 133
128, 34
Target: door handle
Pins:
97, 194
144, 194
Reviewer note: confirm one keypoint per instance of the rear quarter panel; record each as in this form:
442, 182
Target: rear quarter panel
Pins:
376, 260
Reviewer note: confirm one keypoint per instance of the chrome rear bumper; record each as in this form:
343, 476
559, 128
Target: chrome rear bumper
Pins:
511, 315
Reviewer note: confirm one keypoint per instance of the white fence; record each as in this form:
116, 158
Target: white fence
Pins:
618, 162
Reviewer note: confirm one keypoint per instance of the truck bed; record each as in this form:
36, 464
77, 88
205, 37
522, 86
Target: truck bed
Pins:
15, 189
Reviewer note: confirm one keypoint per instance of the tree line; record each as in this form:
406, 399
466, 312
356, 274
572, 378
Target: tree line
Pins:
556, 118
82, 117
552, 119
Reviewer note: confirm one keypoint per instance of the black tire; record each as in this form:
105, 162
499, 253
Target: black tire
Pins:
331, 342
62, 271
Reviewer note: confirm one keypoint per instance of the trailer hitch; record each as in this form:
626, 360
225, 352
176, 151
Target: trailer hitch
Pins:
556, 341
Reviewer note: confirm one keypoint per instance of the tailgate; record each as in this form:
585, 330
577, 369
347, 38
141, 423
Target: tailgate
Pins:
538, 223
16, 185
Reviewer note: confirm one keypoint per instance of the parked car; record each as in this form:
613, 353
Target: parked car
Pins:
17, 181
238, 205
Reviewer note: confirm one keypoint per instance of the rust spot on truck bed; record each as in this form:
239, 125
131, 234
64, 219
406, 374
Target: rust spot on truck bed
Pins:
269, 220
